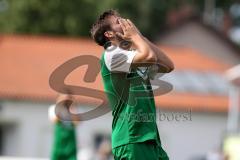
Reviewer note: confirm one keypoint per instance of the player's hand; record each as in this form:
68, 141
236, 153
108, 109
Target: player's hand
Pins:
129, 29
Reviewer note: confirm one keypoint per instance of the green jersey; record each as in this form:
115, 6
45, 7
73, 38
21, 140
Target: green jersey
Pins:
131, 99
65, 145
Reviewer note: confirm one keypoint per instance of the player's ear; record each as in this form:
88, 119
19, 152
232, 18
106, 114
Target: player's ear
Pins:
109, 34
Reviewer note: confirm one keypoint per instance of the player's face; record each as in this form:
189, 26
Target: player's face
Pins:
116, 27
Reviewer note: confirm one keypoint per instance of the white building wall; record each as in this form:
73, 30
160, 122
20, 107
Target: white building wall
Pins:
184, 140
31, 134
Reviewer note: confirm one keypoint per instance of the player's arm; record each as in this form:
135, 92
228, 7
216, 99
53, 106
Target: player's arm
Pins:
144, 53
147, 53
165, 65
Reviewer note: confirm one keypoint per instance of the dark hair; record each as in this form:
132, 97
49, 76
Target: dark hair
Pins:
102, 25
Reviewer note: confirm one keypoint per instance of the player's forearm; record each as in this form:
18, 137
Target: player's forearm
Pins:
164, 62
143, 47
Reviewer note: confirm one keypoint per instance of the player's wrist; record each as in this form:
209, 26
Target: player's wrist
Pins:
136, 38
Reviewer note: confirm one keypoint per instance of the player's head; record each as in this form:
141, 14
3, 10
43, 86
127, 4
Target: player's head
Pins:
104, 29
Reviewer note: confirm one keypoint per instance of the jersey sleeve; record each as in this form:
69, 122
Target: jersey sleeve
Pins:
51, 113
119, 60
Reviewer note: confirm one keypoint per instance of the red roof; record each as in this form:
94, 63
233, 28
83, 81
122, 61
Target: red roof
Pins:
28, 61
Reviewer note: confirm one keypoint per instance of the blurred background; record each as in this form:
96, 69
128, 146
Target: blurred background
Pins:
197, 120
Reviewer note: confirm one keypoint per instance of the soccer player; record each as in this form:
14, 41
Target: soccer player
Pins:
65, 142
126, 62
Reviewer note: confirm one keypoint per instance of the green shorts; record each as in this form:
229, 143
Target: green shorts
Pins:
148, 150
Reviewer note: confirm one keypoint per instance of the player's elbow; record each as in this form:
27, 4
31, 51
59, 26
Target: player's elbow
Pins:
170, 67
165, 67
